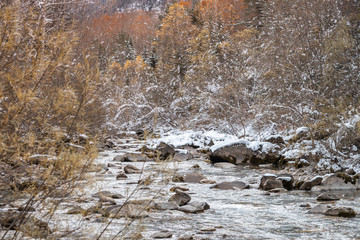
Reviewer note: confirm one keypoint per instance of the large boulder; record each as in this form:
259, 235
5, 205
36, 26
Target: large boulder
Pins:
341, 212
165, 151
333, 211
266, 177
238, 185
272, 184
287, 181
333, 182
308, 185
243, 151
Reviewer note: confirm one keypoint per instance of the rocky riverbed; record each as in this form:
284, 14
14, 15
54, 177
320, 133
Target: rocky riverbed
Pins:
132, 195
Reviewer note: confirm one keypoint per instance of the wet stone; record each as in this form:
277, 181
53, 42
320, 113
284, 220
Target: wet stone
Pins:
173, 189
186, 237
107, 194
231, 185
76, 210
128, 210
101, 220
193, 177
178, 178
266, 177
165, 151
108, 200
201, 206
162, 234
207, 181
131, 169
327, 197
278, 190
166, 206
272, 184
341, 212
188, 209
319, 209
224, 165
307, 185
180, 198
287, 181
121, 176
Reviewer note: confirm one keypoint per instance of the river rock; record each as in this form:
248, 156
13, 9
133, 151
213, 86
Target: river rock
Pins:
76, 210
357, 179
119, 158
121, 175
109, 200
193, 177
341, 212
287, 181
231, 185
332, 182
183, 156
131, 169
319, 209
278, 190
266, 177
275, 139
164, 150
327, 197
350, 171
308, 185
242, 151
224, 165
188, 209
128, 210
94, 209
207, 181
131, 157
166, 206
272, 184
162, 234
180, 198
174, 189
178, 178
235, 153
107, 194
186, 237
112, 165
200, 206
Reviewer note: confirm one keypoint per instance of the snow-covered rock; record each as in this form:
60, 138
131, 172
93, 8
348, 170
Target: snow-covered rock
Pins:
243, 151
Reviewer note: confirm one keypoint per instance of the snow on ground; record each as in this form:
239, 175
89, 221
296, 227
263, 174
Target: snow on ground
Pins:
201, 139
214, 140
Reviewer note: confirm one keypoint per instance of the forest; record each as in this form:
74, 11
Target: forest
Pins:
73, 73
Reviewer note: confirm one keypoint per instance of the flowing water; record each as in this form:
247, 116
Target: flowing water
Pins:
233, 214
